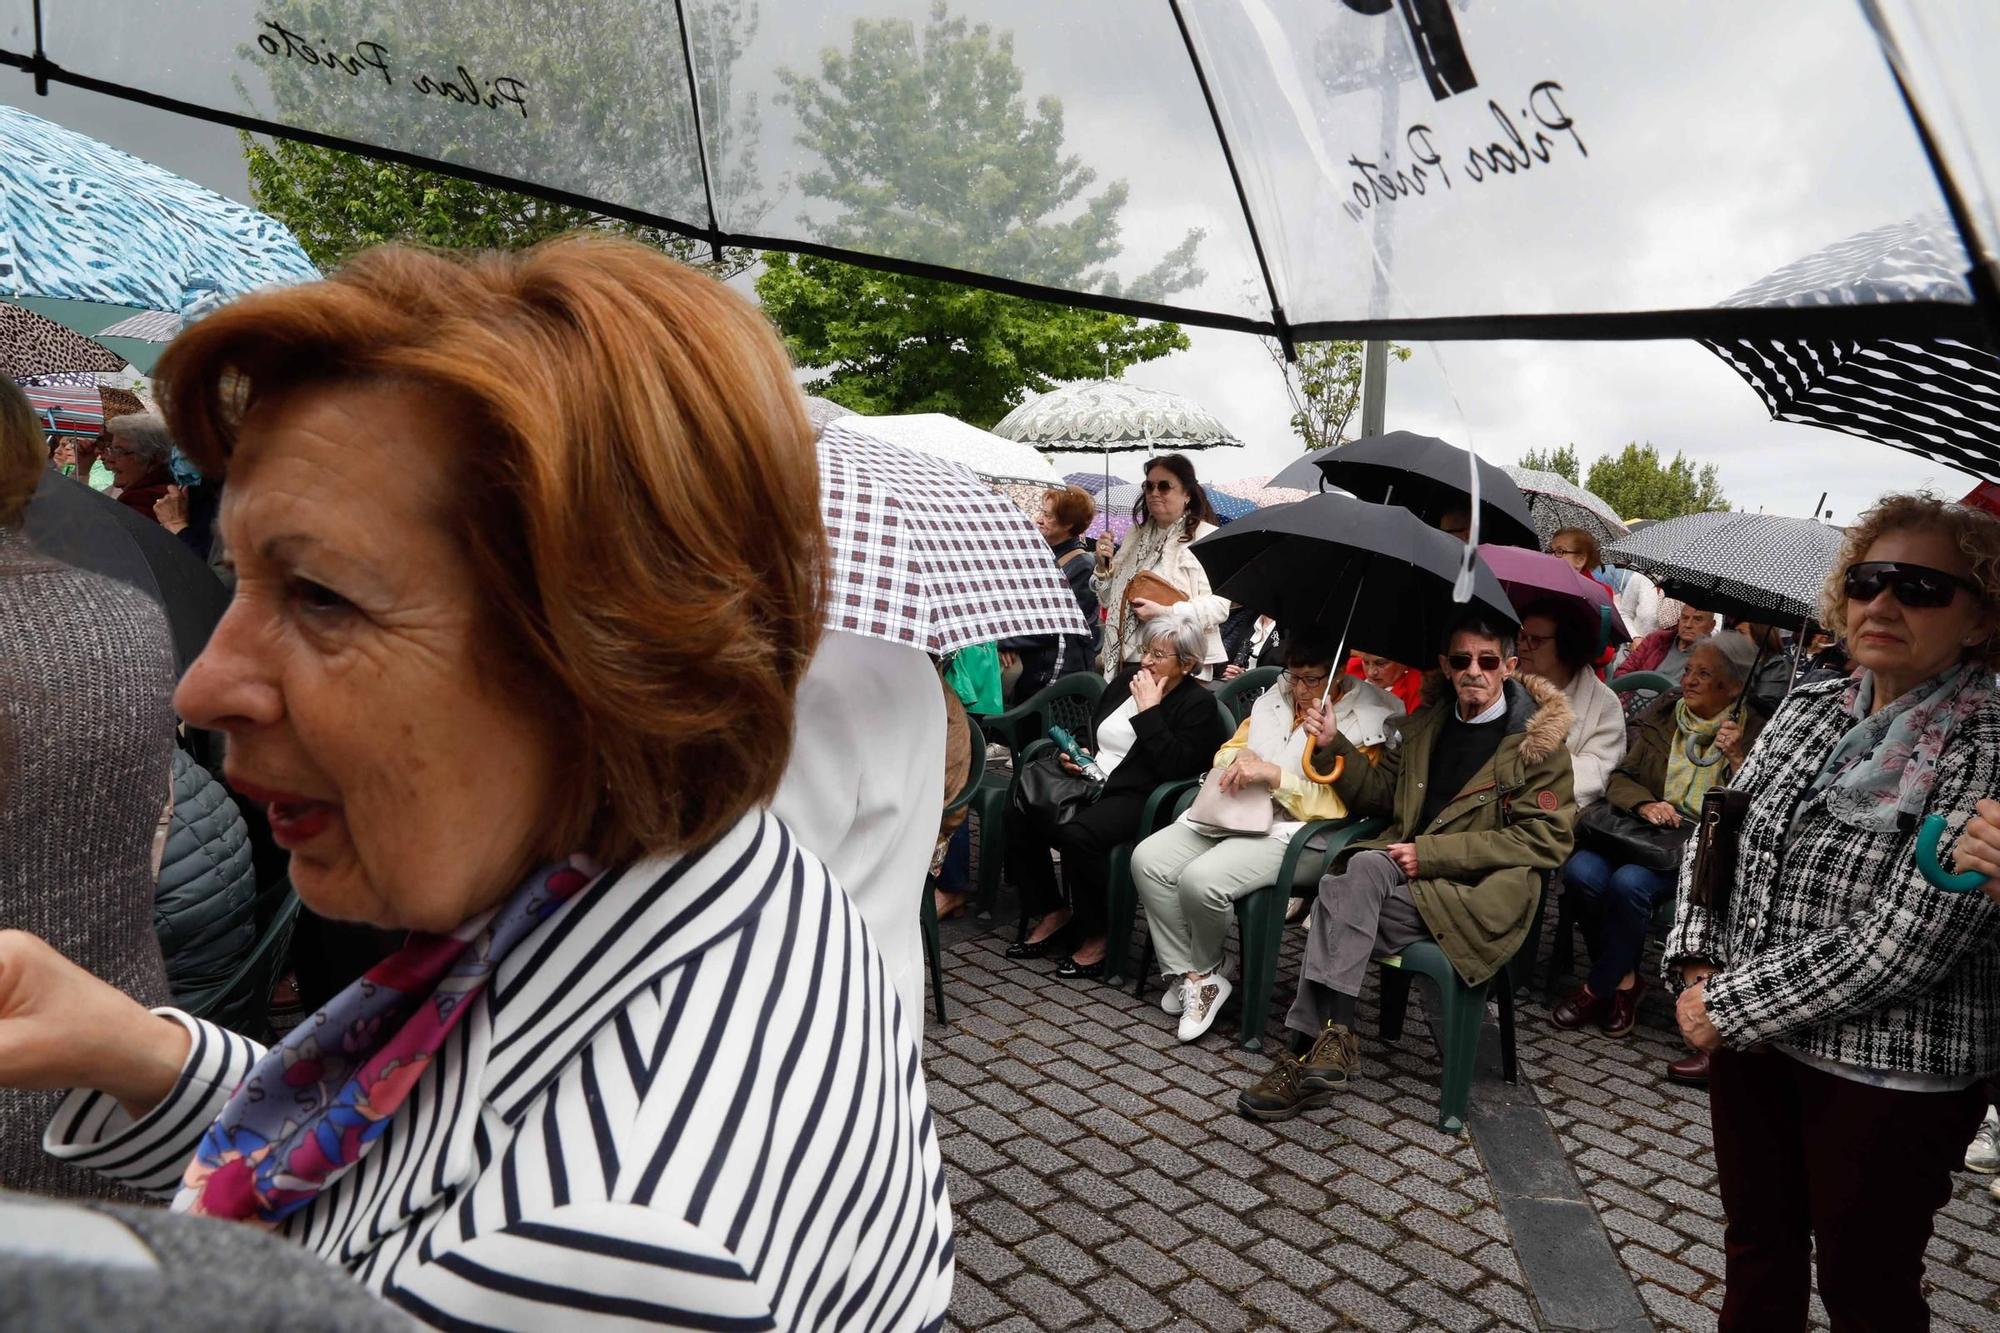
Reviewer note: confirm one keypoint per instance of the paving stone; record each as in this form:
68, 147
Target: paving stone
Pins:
1052, 1305
1025, 1188
1227, 1190
1130, 1305
1293, 1311
1428, 1261
1289, 1264
1228, 1229
1225, 1268
1154, 1225
1150, 1184
978, 1253
1143, 1263
1438, 1308
1211, 1309
972, 1305
1167, 1158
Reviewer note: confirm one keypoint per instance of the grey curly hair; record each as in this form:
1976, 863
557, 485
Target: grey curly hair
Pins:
1183, 629
145, 434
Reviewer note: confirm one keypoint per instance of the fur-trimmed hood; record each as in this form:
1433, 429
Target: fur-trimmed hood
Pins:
1536, 710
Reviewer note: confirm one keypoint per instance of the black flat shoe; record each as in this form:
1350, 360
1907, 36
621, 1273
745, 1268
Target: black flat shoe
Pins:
1071, 970
1033, 948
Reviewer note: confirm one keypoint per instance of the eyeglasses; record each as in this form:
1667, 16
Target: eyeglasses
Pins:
1298, 682
1695, 675
1464, 661
1153, 652
1564, 551
1914, 586
1160, 487
1529, 642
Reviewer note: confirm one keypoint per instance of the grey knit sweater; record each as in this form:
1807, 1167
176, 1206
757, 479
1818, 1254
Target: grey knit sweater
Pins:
86, 746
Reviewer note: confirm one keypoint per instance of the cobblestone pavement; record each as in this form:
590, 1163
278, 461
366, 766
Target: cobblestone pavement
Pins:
1101, 1179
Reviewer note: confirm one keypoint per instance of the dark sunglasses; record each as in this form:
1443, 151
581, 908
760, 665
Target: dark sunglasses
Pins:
1463, 661
1915, 586
1160, 487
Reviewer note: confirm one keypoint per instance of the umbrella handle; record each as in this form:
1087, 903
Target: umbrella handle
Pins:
1933, 870
1323, 779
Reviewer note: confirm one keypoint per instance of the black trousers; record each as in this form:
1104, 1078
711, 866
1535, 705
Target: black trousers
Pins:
1086, 843
1808, 1158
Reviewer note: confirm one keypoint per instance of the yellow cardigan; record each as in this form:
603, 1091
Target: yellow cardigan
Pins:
1299, 796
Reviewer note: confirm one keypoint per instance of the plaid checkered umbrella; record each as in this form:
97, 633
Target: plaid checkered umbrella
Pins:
925, 553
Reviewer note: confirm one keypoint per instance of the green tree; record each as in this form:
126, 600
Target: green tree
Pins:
1560, 461
1638, 485
1324, 385
926, 148
627, 139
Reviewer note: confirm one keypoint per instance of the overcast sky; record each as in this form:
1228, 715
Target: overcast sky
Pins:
1501, 397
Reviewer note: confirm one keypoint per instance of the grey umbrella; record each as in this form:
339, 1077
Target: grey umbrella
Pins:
1761, 567
1555, 502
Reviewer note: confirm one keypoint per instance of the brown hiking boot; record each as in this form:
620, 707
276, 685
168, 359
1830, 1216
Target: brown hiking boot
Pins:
1278, 1095
1332, 1059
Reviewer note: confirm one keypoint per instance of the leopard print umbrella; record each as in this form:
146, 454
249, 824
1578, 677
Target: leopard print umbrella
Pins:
31, 345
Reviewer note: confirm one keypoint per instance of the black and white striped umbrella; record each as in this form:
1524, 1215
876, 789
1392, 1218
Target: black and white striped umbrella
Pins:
1762, 567
1938, 397
1555, 502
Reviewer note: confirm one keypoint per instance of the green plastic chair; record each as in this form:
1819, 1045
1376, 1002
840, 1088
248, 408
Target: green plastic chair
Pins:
1455, 1022
934, 955
1239, 694
242, 1003
1071, 703
1640, 688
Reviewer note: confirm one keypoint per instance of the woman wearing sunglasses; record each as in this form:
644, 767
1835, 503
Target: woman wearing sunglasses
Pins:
1170, 515
1849, 1007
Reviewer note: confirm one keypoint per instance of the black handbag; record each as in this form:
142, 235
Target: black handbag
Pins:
1721, 827
1624, 837
1047, 794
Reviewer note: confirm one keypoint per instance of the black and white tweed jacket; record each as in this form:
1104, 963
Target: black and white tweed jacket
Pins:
1833, 942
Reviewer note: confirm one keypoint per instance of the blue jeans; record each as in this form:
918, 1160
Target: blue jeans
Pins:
1616, 905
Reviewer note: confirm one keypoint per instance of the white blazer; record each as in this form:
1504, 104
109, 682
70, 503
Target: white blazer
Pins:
1596, 739
1178, 566
688, 1100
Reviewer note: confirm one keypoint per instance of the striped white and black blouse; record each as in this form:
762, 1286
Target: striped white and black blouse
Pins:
690, 1099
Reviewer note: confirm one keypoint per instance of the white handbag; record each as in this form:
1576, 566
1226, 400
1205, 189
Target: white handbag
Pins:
1246, 813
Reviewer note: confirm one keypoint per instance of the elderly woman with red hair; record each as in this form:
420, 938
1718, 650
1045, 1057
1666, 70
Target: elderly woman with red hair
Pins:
529, 567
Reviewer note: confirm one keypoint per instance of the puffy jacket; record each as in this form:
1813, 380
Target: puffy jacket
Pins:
205, 905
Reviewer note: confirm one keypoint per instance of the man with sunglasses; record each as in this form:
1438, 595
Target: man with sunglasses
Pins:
1478, 792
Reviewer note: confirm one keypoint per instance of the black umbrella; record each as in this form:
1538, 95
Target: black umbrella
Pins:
68, 521
1377, 573
1424, 475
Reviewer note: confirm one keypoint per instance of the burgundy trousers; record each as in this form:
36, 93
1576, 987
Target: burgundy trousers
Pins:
1811, 1159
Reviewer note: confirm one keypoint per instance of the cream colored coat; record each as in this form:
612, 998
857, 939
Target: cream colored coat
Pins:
1178, 566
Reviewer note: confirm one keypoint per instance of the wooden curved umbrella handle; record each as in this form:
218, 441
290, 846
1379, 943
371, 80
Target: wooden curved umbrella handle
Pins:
1323, 779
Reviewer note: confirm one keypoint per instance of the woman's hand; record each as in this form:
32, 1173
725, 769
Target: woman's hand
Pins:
1146, 688
1692, 1012
1145, 610
1104, 550
1729, 740
1231, 672
171, 509
61, 1027
1248, 771
1319, 724
1979, 846
1661, 813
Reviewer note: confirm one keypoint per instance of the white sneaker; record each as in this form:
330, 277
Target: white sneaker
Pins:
1204, 1002
1983, 1153
1175, 998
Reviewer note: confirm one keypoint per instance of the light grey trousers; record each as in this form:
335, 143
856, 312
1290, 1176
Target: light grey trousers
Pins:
1359, 916
1189, 883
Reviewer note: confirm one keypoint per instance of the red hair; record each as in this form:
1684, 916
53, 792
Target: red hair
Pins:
636, 485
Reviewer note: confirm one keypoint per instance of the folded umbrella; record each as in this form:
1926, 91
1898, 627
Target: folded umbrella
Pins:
927, 554
1376, 573
68, 521
1422, 474
1529, 576
1761, 567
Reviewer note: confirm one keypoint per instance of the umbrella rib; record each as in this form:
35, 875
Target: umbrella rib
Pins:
1236, 178
700, 139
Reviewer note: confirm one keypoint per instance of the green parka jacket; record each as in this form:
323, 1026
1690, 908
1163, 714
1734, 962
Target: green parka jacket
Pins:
1480, 862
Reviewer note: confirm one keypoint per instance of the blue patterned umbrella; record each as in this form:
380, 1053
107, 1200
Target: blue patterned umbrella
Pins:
98, 240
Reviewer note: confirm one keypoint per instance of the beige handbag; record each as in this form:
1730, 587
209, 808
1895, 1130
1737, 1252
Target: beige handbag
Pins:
1248, 813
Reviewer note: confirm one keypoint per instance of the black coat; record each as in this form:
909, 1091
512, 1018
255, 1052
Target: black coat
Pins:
1178, 736
1044, 657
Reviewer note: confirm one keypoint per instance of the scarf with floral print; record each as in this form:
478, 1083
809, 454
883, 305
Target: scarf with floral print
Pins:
1882, 772
313, 1106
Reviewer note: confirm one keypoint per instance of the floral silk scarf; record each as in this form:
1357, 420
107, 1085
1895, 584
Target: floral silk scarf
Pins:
1881, 773
318, 1100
